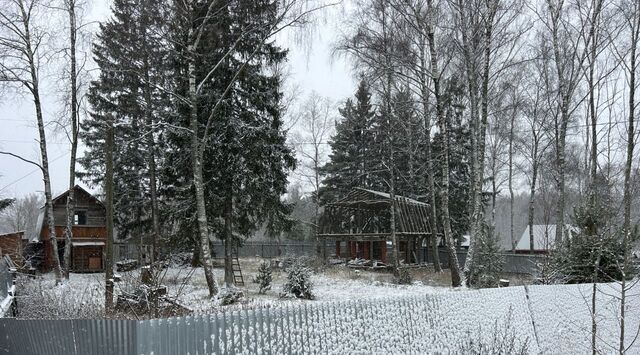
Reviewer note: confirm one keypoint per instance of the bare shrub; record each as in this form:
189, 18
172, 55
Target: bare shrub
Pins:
39, 298
504, 341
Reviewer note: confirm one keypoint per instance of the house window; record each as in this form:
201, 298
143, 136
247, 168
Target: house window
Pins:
80, 218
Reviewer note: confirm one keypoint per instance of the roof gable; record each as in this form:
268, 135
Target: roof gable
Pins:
78, 190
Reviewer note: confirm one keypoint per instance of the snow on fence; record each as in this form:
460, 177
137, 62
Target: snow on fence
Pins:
6, 288
449, 322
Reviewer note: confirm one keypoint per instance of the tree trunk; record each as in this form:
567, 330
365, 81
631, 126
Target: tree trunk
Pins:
429, 155
478, 163
43, 146
228, 239
532, 192
198, 181
561, 136
108, 188
446, 219
592, 99
511, 195
151, 147
444, 192
68, 235
594, 290
635, 34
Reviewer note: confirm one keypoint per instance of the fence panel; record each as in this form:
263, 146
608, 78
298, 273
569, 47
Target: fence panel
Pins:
435, 323
5, 279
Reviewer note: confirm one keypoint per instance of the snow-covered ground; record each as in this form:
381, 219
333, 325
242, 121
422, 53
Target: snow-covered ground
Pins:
337, 283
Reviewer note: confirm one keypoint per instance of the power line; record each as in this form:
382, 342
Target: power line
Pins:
33, 141
30, 173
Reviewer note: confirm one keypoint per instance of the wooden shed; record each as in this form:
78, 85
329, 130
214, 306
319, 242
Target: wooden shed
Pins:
89, 233
361, 220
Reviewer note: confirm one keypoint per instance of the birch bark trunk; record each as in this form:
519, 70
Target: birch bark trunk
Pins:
68, 235
108, 304
444, 192
198, 183
35, 91
635, 34
427, 148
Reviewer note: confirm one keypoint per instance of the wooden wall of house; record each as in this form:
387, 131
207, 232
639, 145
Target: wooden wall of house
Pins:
83, 202
87, 259
12, 245
79, 232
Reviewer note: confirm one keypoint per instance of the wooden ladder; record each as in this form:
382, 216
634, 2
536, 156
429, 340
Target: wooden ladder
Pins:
238, 280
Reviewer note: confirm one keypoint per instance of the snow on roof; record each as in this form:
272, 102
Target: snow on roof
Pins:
397, 197
11, 233
85, 244
544, 236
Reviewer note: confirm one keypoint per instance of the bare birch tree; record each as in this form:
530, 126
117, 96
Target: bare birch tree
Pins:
629, 12
74, 123
22, 41
316, 126
489, 43
569, 55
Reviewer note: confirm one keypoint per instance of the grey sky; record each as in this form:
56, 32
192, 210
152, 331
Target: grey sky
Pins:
310, 70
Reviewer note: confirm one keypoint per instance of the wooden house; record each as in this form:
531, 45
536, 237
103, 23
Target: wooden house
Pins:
89, 233
361, 222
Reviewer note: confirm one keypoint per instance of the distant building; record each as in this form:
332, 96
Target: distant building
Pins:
360, 223
544, 236
89, 233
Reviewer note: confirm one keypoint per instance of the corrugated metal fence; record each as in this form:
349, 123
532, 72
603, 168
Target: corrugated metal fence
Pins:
5, 280
396, 325
434, 323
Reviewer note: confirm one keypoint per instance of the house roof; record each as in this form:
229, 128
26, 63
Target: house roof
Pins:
369, 209
544, 236
12, 233
77, 188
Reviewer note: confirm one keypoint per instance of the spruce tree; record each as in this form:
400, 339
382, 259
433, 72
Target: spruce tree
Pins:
245, 159
130, 55
354, 156
264, 278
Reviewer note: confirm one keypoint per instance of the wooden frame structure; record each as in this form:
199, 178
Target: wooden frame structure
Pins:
362, 219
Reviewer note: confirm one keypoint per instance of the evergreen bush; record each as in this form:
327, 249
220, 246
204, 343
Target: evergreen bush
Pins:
298, 282
595, 253
264, 278
404, 277
488, 262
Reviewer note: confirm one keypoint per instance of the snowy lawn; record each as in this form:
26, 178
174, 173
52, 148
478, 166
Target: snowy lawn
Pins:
188, 286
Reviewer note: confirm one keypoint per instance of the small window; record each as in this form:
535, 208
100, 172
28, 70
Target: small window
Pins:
80, 218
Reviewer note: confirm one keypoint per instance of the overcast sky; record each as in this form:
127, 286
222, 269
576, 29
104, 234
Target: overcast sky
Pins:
311, 68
